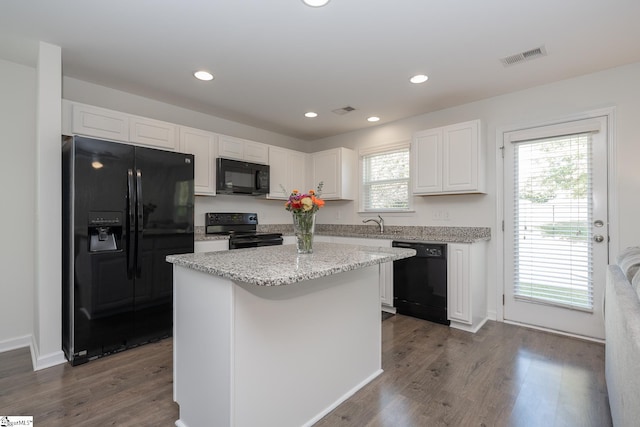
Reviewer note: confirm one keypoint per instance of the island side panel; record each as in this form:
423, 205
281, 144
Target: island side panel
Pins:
202, 348
302, 349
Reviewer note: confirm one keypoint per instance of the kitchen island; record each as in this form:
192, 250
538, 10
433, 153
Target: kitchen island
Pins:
267, 337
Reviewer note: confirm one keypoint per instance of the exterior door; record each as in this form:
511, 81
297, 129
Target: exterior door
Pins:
556, 226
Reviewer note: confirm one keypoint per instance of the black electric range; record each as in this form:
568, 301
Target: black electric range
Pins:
241, 229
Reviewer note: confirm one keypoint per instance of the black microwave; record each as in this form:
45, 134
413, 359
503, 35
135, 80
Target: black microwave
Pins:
238, 177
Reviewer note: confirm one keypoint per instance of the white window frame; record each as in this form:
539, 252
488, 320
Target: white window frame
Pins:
380, 150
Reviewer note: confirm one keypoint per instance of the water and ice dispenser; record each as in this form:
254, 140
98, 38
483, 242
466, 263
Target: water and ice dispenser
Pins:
105, 231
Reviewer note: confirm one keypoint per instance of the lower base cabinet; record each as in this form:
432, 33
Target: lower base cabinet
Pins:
466, 279
466, 285
386, 269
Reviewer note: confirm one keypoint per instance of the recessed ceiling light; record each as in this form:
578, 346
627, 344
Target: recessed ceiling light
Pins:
420, 78
311, 114
373, 119
203, 75
315, 3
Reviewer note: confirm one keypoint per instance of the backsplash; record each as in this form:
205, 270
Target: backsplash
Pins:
400, 232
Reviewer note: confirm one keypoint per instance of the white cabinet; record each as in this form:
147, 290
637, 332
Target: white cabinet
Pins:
448, 160
386, 285
81, 119
94, 121
466, 286
336, 168
287, 169
203, 145
243, 149
386, 269
426, 157
211, 245
153, 133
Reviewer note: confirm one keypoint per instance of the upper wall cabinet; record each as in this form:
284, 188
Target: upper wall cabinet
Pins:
336, 169
204, 147
243, 149
448, 160
81, 119
93, 121
287, 169
153, 133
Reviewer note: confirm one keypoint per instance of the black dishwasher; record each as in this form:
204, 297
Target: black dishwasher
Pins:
420, 282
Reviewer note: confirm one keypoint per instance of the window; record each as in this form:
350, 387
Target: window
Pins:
385, 179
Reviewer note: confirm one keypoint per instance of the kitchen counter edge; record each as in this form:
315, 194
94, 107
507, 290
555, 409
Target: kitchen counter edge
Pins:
282, 265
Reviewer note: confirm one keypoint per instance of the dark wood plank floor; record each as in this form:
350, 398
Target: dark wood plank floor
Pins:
434, 376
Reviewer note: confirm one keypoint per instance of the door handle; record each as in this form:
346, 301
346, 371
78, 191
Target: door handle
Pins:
598, 238
131, 224
140, 222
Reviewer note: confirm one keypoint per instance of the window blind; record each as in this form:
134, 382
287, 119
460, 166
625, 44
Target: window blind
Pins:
552, 216
385, 180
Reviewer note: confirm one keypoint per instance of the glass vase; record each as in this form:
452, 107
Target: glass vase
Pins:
304, 226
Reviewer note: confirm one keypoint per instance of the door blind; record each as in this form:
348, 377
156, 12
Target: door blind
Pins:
552, 221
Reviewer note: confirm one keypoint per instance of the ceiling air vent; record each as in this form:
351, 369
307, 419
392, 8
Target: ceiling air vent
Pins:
343, 110
524, 56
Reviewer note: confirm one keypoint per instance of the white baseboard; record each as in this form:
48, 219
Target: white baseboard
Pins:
15, 343
468, 328
41, 361
344, 397
388, 309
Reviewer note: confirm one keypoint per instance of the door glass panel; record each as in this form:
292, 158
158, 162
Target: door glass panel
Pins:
552, 215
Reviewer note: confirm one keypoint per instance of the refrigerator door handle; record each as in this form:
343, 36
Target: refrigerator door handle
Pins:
131, 223
140, 225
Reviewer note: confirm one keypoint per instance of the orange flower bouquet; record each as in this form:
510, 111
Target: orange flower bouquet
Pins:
303, 207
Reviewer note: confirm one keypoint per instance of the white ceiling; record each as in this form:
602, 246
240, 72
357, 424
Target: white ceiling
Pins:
273, 60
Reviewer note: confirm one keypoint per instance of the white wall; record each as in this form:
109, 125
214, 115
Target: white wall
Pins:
618, 87
17, 215
47, 340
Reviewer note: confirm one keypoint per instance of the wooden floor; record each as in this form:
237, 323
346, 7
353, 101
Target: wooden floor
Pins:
434, 376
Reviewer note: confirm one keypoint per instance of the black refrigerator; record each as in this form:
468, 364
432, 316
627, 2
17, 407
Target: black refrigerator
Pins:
125, 208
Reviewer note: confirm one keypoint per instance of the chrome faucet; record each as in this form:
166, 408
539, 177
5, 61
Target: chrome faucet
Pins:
380, 222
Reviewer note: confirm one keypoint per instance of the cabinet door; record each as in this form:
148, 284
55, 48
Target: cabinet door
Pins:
99, 122
203, 146
385, 269
386, 283
256, 152
230, 147
278, 173
297, 168
288, 170
153, 133
325, 165
458, 284
460, 157
426, 156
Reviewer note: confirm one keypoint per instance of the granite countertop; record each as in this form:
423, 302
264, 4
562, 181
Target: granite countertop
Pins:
391, 232
282, 265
